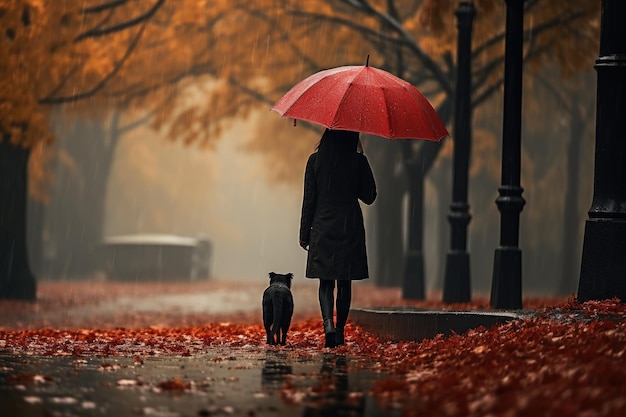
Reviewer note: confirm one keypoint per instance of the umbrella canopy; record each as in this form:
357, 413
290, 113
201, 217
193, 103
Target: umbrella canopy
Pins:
363, 99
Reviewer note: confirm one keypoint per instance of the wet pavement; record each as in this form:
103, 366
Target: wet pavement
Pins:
135, 306
200, 352
250, 381
241, 381
222, 301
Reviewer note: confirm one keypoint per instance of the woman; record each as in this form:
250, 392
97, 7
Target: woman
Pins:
337, 176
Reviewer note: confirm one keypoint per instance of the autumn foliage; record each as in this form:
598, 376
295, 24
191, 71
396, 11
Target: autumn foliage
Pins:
564, 359
220, 59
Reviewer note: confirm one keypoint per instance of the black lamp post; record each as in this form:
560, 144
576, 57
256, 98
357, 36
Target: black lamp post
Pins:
456, 284
506, 286
603, 267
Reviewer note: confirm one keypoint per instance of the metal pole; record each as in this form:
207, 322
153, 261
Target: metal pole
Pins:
506, 286
603, 266
456, 284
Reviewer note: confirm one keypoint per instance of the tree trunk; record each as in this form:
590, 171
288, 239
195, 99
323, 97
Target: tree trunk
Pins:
77, 210
35, 211
388, 245
417, 166
417, 163
571, 225
442, 180
414, 283
16, 279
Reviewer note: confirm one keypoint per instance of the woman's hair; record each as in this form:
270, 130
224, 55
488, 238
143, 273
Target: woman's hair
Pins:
336, 163
340, 141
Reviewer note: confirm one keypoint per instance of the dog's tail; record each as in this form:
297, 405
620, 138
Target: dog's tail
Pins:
277, 304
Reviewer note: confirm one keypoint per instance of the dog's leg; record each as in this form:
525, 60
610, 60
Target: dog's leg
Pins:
287, 321
268, 319
276, 323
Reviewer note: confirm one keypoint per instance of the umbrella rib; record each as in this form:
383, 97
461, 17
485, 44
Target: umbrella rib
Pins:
389, 127
344, 97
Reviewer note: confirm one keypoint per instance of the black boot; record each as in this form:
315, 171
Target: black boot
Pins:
344, 298
329, 334
339, 337
326, 298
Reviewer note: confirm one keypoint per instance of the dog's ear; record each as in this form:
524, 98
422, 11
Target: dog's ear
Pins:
290, 275
272, 274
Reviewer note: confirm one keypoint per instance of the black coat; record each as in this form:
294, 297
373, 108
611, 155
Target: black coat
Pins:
332, 222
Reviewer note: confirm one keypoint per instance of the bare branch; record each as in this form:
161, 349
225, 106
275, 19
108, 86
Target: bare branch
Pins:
118, 66
136, 123
481, 75
121, 26
487, 92
528, 33
258, 13
364, 30
64, 81
200, 69
426, 60
530, 53
261, 98
105, 6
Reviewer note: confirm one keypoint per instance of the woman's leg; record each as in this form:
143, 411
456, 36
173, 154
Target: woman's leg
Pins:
326, 298
344, 298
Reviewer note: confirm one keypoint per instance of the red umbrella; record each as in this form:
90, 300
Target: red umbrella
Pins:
363, 99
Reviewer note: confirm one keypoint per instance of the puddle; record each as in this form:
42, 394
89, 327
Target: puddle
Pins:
254, 382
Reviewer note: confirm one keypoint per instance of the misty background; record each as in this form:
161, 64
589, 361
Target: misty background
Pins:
145, 183
156, 186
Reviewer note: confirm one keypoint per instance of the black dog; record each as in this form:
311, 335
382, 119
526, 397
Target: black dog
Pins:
277, 308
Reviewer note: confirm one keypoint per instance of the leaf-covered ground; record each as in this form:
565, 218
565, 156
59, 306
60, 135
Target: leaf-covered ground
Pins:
568, 359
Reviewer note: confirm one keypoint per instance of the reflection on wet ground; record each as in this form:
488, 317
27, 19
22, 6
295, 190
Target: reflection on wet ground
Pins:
257, 382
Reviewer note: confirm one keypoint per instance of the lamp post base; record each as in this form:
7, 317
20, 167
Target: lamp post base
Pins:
506, 285
456, 284
603, 266
413, 282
